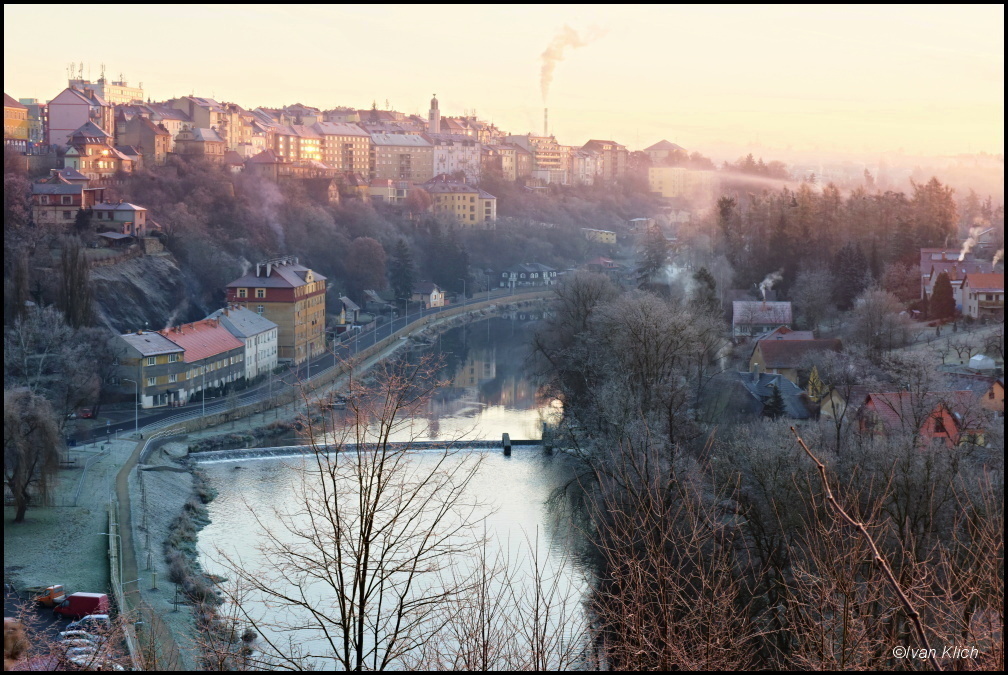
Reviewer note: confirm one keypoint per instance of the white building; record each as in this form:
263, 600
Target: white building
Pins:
454, 153
257, 332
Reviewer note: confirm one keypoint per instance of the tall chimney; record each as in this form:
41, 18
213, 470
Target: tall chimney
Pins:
545, 121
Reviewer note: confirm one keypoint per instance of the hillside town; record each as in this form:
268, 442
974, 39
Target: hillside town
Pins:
755, 384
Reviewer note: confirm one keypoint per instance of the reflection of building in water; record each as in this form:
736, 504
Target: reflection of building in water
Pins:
527, 315
514, 391
480, 367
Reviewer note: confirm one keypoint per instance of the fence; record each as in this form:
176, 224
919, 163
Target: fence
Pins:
115, 565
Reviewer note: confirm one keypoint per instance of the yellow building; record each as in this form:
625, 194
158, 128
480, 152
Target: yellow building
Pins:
469, 205
291, 296
15, 125
345, 147
677, 181
599, 236
401, 157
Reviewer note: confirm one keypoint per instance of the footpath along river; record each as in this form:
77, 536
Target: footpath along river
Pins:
489, 394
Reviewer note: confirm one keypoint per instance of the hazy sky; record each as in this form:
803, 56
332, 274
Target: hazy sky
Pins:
865, 79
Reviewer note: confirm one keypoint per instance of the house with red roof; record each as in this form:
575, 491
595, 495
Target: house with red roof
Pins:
947, 417
983, 296
212, 357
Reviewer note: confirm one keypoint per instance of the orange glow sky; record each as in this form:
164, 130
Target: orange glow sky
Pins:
928, 80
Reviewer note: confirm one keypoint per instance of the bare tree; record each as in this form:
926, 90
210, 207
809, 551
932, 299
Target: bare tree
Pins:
359, 560
879, 323
667, 598
42, 353
32, 443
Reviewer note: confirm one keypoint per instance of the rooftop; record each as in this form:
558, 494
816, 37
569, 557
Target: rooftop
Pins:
280, 273
150, 344
242, 322
202, 339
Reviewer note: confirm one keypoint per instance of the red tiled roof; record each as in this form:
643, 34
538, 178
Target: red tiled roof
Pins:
202, 339
985, 282
895, 409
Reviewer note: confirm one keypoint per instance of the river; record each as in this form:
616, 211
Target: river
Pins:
489, 394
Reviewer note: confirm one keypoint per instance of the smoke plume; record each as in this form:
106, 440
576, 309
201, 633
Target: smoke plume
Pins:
554, 54
769, 282
970, 242
997, 256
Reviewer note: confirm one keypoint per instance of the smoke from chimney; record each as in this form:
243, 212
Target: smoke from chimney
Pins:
769, 281
997, 256
970, 242
554, 54
545, 121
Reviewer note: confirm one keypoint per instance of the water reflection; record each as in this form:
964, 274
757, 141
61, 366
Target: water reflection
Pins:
489, 392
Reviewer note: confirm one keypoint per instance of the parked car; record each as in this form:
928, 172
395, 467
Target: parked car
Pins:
79, 635
85, 413
49, 596
91, 623
77, 643
93, 662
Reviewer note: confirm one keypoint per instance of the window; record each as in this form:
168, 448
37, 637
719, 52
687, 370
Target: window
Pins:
66, 215
939, 425
66, 199
151, 360
151, 381
173, 358
260, 309
173, 378
260, 292
242, 292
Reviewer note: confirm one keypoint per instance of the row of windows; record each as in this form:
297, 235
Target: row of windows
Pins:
172, 358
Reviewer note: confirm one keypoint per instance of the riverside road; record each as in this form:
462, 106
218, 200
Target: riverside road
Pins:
123, 418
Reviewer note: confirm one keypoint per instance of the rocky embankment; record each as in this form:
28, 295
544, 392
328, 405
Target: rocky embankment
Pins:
150, 291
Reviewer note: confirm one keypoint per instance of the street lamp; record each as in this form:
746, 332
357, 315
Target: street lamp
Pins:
136, 402
111, 534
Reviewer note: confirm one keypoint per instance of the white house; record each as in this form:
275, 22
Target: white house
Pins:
257, 332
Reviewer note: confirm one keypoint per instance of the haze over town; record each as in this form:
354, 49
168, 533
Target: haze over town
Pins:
503, 337
853, 81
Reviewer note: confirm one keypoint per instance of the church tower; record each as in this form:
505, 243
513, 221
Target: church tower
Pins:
434, 119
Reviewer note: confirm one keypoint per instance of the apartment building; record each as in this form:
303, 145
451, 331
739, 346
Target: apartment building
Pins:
293, 297
345, 147
401, 157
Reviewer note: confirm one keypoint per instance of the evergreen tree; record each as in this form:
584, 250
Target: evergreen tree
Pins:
705, 297
75, 299
851, 275
942, 304
774, 408
401, 275
82, 221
